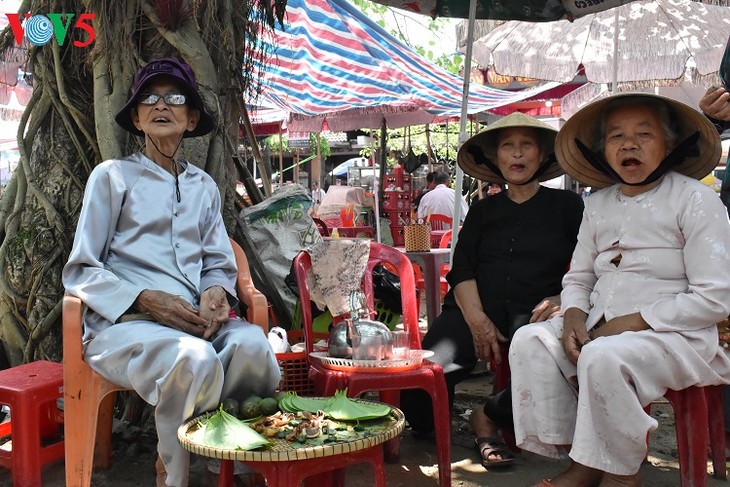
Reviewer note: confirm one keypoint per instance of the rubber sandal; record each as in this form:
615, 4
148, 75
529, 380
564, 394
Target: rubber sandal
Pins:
544, 483
491, 446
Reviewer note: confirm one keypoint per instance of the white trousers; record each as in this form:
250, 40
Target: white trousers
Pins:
597, 407
183, 376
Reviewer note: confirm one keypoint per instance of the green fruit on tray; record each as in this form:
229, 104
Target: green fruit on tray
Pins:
230, 406
250, 409
269, 406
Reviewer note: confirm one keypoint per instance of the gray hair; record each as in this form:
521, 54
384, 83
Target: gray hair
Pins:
669, 124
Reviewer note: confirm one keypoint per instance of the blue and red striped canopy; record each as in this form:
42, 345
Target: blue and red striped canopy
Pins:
333, 63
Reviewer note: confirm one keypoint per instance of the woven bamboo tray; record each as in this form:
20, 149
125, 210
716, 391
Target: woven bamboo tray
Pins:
380, 431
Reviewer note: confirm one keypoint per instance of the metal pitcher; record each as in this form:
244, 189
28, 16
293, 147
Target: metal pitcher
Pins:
340, 337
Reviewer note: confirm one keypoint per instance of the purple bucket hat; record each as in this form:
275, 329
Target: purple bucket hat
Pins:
183, 75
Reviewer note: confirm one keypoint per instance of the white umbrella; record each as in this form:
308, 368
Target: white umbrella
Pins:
655, 40
686, 92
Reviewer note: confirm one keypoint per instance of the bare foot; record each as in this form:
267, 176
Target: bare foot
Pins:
578, 475
481, 424
613, 480
494, 452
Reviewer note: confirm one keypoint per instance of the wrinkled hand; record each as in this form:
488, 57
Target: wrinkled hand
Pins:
548, 308
486, 338
214, 308
171, 310
716, 103
575, 335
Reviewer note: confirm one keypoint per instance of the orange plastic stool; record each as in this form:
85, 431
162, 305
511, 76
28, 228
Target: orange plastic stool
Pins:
31, 391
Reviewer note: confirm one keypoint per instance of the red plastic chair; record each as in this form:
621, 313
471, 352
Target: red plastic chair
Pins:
418, 273
429, 376
445, 240
700, 422
502, 375
321, 227
440, 222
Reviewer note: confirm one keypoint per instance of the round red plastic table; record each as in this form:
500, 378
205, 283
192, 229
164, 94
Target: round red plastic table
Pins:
286, 466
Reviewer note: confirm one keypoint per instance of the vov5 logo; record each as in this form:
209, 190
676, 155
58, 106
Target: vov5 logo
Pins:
39, 29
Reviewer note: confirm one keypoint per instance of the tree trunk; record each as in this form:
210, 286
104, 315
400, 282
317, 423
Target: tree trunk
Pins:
68, 128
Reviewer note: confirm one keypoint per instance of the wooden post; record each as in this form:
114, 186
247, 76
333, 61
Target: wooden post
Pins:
383, 163
317, 165
256, 152
295, 175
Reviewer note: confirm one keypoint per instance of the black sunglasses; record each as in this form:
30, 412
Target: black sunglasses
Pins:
170, 99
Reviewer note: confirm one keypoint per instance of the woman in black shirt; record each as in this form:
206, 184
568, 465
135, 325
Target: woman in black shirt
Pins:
511, 255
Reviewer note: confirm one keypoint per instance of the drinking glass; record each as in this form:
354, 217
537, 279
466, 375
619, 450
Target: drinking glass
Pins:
366, 347
401, 345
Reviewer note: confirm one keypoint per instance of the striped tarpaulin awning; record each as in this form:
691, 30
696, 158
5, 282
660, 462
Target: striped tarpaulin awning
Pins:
332, 62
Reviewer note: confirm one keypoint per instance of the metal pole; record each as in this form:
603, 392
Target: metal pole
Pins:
615, 50
462, 125
281, 160
376, 193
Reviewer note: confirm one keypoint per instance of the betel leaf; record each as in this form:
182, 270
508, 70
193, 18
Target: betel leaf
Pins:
345, 409
226, 432
311, 403
338, 407
293, 403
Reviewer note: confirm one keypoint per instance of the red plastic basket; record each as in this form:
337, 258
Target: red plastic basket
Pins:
295, 373
294, 368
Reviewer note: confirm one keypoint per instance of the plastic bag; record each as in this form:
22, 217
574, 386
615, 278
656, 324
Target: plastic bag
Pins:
280, 227
278, 340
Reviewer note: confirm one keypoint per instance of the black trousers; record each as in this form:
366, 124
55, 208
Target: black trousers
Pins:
450, 338
451, 341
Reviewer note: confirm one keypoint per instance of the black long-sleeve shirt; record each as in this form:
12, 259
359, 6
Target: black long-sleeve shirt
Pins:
517, 253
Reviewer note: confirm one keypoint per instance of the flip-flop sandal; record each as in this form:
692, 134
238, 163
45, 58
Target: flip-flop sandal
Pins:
492, 446
544, 483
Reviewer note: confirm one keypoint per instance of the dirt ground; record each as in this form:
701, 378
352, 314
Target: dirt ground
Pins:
133, 462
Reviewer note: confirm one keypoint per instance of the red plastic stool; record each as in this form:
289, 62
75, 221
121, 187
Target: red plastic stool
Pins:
31, 391
699, 423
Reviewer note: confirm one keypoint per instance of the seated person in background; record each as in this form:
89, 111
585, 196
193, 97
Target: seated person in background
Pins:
510, 257
649, 280
440, 199
429, 186
152, 261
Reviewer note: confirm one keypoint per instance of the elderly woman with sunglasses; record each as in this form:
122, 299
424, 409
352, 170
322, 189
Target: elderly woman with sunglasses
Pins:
649, 279
152, 261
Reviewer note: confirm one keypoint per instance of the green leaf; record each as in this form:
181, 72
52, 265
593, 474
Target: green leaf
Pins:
345, 409
223, 431
339, 407
293, 403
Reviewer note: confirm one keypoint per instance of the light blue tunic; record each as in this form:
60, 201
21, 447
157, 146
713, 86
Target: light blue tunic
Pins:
134, 234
